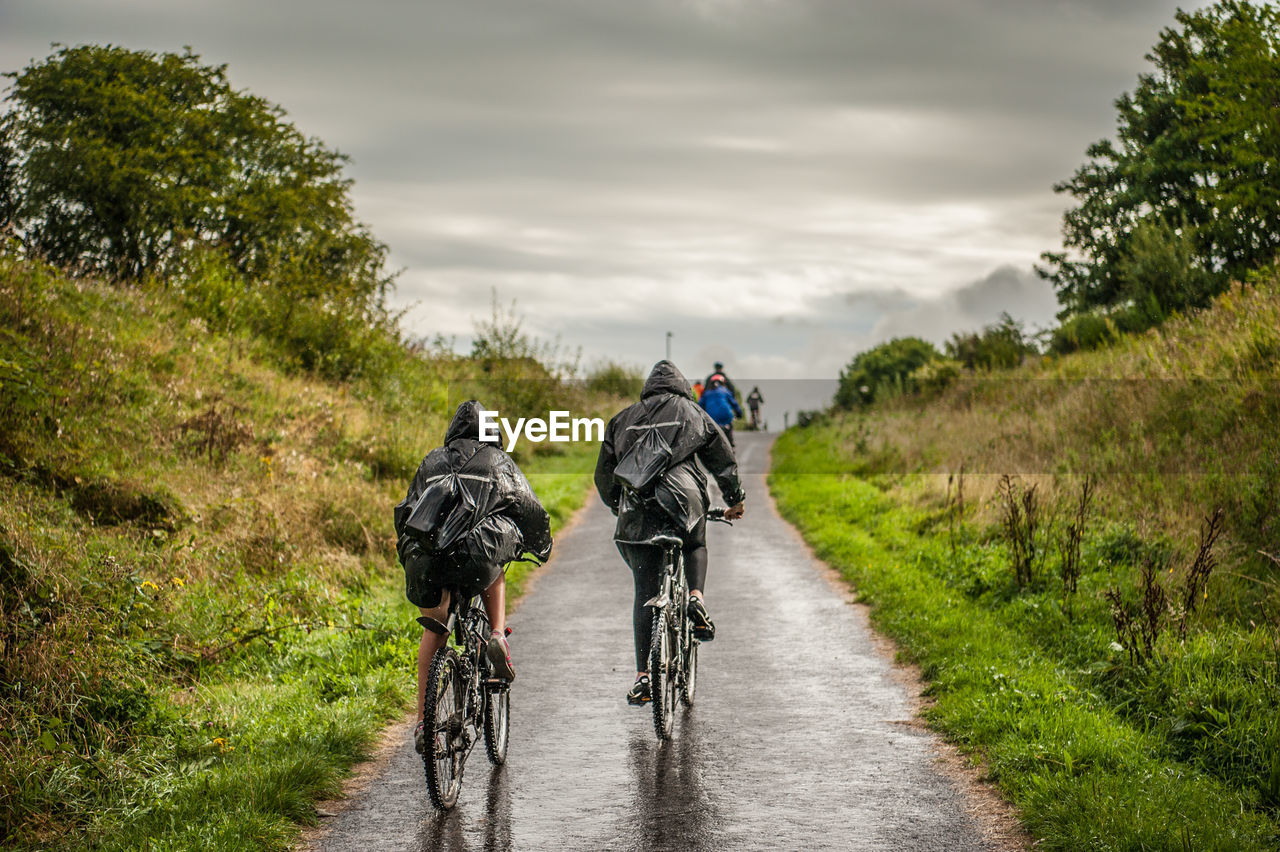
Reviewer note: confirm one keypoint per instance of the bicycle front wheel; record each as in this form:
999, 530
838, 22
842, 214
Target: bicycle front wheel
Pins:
662, 674
446, 748
497, 724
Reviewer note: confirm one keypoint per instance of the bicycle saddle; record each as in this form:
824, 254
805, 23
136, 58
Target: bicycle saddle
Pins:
666, 541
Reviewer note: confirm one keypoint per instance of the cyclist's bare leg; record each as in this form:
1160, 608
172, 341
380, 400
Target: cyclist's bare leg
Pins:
427, 647
495, 604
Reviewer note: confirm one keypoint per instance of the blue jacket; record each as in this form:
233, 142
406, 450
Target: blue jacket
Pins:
721, 405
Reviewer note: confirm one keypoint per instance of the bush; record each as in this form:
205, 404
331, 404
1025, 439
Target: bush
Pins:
1101, 327
1082, 332
519, 374
335, 342
615, 379
998, 346
936, 375
806, 418
883, 369
335, 337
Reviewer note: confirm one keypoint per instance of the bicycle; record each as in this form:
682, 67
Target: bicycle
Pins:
673, 649
468, 700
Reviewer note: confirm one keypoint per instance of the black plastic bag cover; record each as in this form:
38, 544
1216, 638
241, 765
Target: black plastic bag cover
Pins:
469, 509
646, 459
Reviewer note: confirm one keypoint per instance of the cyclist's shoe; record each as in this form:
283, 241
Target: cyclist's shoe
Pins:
420, 738
704, 629
499, 653
640, 692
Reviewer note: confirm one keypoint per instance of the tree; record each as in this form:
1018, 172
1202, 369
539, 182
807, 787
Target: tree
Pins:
886, 368
1193, 176
122, 162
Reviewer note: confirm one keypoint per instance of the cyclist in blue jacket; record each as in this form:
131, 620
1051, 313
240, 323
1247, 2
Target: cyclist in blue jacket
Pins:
719, 402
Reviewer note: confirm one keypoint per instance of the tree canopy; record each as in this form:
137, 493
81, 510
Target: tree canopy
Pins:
1188, 194
122, 162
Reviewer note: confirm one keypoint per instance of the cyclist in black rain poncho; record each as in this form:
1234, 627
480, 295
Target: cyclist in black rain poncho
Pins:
648, 474
469, 512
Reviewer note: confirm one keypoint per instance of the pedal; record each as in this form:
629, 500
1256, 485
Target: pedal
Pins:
497, 684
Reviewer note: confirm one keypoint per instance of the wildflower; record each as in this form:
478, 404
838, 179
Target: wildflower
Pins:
147, 584
177, 581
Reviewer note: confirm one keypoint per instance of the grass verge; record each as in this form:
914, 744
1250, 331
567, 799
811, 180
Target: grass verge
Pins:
1097, 753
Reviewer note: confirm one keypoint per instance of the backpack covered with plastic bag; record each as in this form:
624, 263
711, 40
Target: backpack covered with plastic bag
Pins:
468, 512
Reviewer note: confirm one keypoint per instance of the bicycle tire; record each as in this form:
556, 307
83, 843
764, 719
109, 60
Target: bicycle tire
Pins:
442, 763
689, 683
497, 724
661, 680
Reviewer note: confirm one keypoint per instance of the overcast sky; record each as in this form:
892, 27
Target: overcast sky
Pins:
780, 182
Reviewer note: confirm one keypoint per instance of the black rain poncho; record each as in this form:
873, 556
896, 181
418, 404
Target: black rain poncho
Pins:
648, 470
469, 512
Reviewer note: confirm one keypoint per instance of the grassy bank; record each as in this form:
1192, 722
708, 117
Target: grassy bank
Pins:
203, 623
1121, 691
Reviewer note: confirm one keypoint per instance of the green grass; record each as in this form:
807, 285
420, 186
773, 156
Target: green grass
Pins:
202, 625
1095, 752
1177, 420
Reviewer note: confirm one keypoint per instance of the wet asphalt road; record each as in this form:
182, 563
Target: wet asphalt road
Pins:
800, 738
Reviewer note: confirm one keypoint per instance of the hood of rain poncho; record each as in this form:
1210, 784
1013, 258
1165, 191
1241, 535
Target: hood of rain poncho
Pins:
465, 423
665, 377
460, 485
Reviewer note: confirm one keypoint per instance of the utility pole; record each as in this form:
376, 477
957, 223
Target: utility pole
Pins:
668, 346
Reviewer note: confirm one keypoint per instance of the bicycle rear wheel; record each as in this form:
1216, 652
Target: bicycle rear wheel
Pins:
497, 723
689, 683
662, 674
445, 752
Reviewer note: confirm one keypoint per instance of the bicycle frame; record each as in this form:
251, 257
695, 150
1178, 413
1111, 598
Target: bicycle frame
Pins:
467, 625
674, 585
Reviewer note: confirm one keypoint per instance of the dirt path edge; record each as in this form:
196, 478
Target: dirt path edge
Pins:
996, 817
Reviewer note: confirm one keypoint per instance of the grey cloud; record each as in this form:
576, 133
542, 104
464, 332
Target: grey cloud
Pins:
1022, 294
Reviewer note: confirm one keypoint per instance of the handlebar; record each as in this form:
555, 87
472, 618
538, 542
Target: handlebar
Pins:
716, 514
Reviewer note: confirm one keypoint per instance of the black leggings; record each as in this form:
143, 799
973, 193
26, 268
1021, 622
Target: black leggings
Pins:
646, 567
